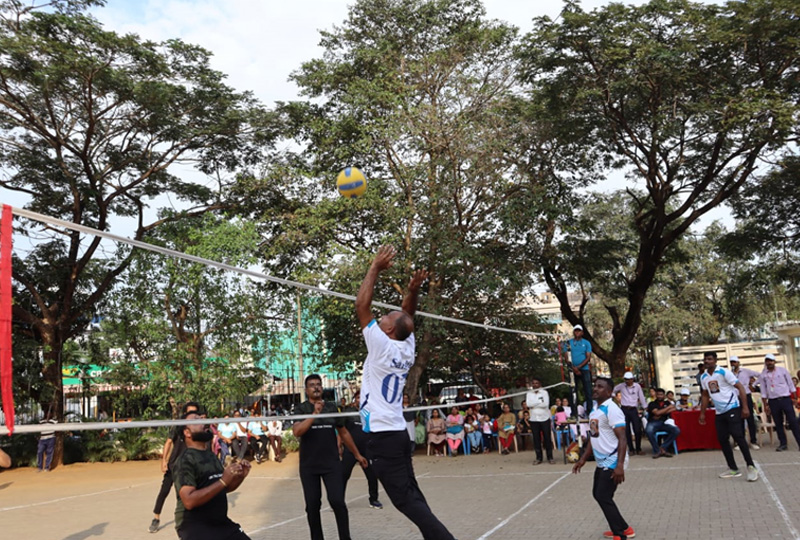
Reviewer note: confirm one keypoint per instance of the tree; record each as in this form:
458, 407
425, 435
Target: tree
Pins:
419, 95
687, 99
91, 125
188, 330
769, 226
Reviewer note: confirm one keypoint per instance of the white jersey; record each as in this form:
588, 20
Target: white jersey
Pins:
385, 372
721, 389
602, 422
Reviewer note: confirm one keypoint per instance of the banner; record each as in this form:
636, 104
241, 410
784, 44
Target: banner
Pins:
6, 371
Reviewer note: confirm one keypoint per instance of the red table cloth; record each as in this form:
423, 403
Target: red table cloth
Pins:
694, 436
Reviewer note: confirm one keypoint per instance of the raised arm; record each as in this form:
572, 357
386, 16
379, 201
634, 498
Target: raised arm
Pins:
382, 261
412, 296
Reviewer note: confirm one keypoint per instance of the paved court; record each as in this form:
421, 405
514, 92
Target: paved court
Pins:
477, 497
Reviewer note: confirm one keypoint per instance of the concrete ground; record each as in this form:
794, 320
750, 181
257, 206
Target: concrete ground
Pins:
477, 497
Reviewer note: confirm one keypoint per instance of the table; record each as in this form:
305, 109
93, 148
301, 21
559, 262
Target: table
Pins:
694, 436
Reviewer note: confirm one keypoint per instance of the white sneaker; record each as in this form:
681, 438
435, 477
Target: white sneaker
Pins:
752, 474
754, 446
737, 448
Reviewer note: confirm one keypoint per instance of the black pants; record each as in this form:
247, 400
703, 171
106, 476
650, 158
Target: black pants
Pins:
603, 492
334, 488
166, 487
633, 423
751, 420
348, 462
239, 447
729, 424
542, 437
390, 454
780, 407
258, 445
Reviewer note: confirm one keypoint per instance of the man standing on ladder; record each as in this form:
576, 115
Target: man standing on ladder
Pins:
581, 354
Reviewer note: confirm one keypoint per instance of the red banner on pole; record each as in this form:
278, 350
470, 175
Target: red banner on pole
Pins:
6, 371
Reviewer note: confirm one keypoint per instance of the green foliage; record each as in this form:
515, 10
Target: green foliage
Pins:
22, 449
683, 98
187, 331
92, 124
137, 445
290, 442
420, 96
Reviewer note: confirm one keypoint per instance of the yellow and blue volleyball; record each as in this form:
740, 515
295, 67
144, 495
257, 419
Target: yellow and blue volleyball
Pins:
351, 183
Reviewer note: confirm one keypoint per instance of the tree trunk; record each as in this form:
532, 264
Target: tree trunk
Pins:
421, 362
51, 372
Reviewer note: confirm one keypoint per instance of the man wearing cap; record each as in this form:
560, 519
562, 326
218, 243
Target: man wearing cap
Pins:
631, 399
778, 392
721, 386
747, 377
683, 403
581, 353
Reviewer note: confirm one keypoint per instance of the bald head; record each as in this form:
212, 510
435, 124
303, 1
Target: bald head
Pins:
398, 325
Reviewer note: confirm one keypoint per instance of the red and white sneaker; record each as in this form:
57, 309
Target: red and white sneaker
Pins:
629, 532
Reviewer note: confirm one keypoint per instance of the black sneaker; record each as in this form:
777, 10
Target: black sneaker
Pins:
154, 525
782, 448
376, 504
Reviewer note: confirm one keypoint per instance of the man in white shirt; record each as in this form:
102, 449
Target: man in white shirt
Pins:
722, 387
608, 442
746, 376
631, 400
538, 402
390, 354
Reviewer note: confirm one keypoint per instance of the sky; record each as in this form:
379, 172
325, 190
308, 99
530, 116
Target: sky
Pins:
259, 43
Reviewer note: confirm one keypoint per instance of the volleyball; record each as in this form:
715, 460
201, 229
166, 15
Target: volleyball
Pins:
351, 183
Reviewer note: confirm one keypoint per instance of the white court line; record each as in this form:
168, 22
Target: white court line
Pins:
779, 504
72, 497
518, 512
296, 518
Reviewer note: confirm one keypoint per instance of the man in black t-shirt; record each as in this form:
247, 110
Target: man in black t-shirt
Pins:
201, 486
658, 412
319, 459
354, 427
173, 448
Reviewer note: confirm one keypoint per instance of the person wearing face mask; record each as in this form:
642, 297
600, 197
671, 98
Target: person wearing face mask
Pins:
202, 485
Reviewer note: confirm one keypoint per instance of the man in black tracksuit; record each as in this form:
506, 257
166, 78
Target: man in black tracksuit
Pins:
319, 459
354, 427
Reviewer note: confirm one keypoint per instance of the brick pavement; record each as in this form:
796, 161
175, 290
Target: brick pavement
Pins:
504, 496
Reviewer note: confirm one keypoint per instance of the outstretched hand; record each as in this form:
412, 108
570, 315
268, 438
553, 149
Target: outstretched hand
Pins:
384, 258
417, 278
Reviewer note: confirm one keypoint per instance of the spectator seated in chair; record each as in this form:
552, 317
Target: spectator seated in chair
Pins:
524, 428
437, 430
683, 403
455, 430
659, 412
506, 425
473, 433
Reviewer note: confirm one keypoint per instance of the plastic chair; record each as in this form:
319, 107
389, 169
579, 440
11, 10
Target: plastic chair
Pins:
765, 426
674, 443
560, 431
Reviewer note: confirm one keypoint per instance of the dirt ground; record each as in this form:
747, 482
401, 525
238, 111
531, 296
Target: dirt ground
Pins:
478, 496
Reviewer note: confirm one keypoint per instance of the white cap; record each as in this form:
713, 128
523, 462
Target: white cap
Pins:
577, 327
770, 356
628, 375
685, 392
734, 358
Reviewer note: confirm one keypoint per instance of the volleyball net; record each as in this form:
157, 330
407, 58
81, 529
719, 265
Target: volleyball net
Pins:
173, 254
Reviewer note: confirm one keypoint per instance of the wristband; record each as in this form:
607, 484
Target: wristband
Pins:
223, 482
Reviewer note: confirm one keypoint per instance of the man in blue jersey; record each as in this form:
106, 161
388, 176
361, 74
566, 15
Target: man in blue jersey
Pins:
609, 445
390, 354
721, 386
580, 351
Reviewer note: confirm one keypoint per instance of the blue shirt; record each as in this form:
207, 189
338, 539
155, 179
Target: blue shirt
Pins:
578, 349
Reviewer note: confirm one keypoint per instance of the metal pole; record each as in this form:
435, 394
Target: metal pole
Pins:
300, 374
